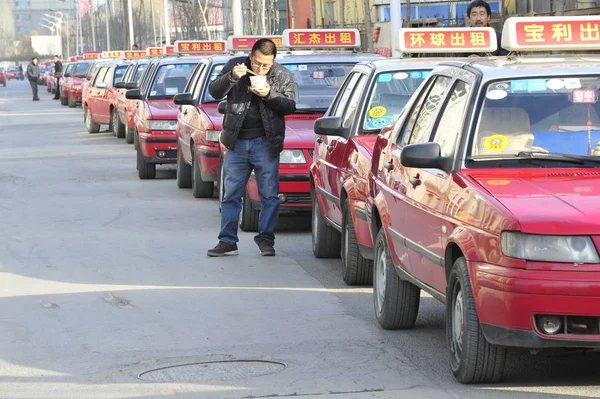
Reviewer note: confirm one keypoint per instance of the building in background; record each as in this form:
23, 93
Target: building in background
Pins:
29, 14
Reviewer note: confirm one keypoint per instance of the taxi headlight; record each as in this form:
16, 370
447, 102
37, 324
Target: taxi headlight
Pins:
161, 124
213, 135
563, 249
292, 156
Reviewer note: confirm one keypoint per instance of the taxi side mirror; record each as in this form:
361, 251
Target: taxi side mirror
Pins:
184, 99
67, 75
133, 94
425, 156
222, 107
88, 78
120, 85
330, 126
131, 85
102, 85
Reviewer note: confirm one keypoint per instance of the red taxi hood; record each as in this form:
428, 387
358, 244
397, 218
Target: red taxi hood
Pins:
299, 132
76, 81
210, 110
555, 202
163, 109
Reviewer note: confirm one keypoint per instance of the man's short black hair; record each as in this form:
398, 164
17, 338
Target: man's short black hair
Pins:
33, 58
56, 56
479, 3
265, 46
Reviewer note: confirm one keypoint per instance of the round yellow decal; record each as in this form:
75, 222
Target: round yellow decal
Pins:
498, 182
377, 112
496, 142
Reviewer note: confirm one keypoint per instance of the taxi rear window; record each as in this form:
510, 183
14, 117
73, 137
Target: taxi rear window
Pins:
170, 80
316, 84
390, 93
559, 115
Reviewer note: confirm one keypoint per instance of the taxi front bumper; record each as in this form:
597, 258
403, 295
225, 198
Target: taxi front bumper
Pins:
509, 300
158, 146
208, 156
294, 192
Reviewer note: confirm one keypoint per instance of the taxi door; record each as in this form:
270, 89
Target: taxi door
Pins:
440, 121
97, 99
189, 115
330, 150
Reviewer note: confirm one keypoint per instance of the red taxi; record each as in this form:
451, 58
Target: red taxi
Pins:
13, 73
156, 114
125, 109
2, 77
101, 98
485, 195
373, 96
71, 83
317, 76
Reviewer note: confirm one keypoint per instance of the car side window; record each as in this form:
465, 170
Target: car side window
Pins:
196, 87
340, 107
419, 131
350, 112
100, 76
108, 76
148, 77
449, 127
128, 73
408, 124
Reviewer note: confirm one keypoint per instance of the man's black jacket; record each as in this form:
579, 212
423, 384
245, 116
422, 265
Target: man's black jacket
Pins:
58, 67
281, 101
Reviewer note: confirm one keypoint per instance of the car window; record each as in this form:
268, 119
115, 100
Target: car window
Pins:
402, 129
390, 93
119, 72
139, 72
340, 107
449, 128
425, 119
108, 76
350, 112
69, 68
100, 75
194, 85
213, 75
127, 76
550, 115
146, 77
80, 69
170, 80
316, 84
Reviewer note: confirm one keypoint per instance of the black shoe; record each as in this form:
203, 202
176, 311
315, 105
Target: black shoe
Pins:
36, 99
223, 249
55, 98
266, 249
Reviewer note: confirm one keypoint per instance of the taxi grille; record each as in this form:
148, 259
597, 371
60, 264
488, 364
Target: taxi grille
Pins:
296, 198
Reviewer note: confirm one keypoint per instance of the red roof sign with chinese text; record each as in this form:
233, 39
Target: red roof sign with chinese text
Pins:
112, 54
447, 40
169, 50
245, 43
155, 51
135, 54
200, 46
321, 38
91, 55
551, 33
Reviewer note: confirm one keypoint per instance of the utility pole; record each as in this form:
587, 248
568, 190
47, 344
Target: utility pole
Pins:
106, 17
408, 23
68, 43
153, 22
130, 18
395, 25
167, 27
369, 25
292, 14
93, 23
238, 17
313, 14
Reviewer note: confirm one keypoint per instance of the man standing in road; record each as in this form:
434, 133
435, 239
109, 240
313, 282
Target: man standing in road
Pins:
253, 132
33, 74
57, 70
479, 14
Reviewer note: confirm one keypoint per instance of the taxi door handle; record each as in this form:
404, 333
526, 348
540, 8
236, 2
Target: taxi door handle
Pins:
319, 140
185, 111
330, 148
415, 181
388, 165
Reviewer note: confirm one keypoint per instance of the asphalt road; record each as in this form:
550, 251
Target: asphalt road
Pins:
104, 277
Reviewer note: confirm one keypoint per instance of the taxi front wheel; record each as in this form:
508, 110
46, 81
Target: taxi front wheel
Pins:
396, 300
129, 132
473, 360
145, 170
326, 240
200, 188
249, 216
184, 171
356, 270
92, 127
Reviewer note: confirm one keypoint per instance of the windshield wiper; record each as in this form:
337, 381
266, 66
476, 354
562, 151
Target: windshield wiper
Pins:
310, 111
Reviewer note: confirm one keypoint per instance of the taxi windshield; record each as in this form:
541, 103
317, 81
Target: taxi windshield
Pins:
390, 93
213, 75
316, 84
542, 119
170, 80
80, 69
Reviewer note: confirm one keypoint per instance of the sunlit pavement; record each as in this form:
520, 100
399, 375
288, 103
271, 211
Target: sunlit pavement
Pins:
104, 277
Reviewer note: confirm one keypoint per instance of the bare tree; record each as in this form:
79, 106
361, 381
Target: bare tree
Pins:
559, 7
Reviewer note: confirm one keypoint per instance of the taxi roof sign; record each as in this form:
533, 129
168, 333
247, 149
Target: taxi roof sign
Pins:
200, 47
135, 54
155, 51
245, 43
321, 38
111, 54
447, 40
91, 55
169, 50
551, 33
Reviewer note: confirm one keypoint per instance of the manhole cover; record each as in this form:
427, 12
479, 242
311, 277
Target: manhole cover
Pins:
212, 371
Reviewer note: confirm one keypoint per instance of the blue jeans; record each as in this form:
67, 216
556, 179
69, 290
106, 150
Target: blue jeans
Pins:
254, 154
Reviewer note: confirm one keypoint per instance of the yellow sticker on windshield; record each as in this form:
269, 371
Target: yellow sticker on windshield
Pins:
377, 112
496, 142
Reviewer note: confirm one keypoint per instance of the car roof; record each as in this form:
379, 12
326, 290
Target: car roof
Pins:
394, 64
325, 57
178, 60
493, 68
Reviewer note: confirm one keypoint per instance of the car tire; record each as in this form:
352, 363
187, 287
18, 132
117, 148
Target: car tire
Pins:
49, 90
396, 301
326, 240
71, 102
63, 100
129, 133
136, 138
472, 358
118, 129
145, 170
221, 183
249, 216
356, 270
200, 188
92, 127
184, 171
